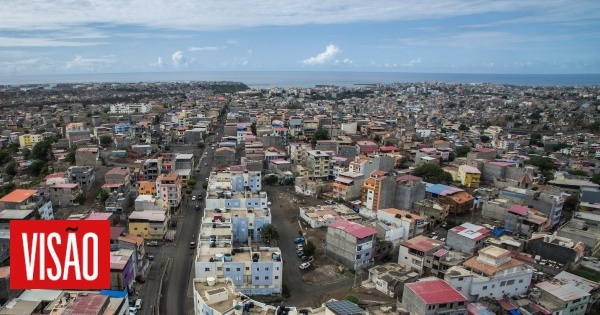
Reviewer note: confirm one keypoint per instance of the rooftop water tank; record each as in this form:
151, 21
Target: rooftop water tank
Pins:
211, 281
227, 257
219, 257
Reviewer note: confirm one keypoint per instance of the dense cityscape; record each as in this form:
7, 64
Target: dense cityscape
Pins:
380, 199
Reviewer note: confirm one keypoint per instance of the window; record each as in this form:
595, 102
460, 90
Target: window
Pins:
460, 279
266, 277
520, 280
227, 269
276, 277
358, 248
219, 268
257, 269
443, 305
256, 278
266, 268
458, 288
484, 287
461, 303
510, 282
358, 256
207, 269
238, 269
503, 283
247, 268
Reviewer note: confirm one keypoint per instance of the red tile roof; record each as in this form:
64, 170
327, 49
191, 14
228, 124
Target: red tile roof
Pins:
436, 292
354, 229
422, 243
520, 210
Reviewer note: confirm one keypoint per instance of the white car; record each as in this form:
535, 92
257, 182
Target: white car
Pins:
299, 247
304, 265
132, 310
138, 304
193, 198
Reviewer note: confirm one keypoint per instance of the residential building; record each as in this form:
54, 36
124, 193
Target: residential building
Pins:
458, 200
556, 248
82, 175
122, 269
481, 154
525, 220
492, 274
252, 269
348, 186
413, 251
184, 161
6, 293
410, 224
130, 108
561, 297
86, 156
29, 140
149, 224
322, 216
8, 215
224, 156
151, 169
117, 175
64, 195
390, 278
169, 190
431, 209
409, 189
578, 231
248, 180
467, 238
438, 263
28, 199
378, 191
317, 163
149, 202
221, 192
430, 296
147, 188
350, 244
548, 201
31, 302
469, 176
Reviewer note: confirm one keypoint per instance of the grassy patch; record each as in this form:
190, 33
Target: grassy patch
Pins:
285, 292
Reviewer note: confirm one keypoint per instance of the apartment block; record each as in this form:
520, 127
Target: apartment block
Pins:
378, 191
409, 189
492, 274
169, 189
430, 296
82, 175
410, 224
350, 244
348, 186
413, 251
63, 195
469, 176
467, 238
28, 199
317, 164
149, 224
29, 140
130, 108
220, 193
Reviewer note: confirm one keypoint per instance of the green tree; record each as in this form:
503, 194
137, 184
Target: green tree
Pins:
7, 189
11, 168
14, 147
463, 150
544, 163
463, 127
41, 150
578, 172
289, 181
269, 234
571, 203
271, 179
205, 185
434, 174
103, 196
596, 179
80, 199
37, 167
26, 153
105, 140
309, 249
536, 139
201, 145
560, 146
5, 156
188, 191
485, 139
253, 128
191, 183
320, 134
70, 156
352, 298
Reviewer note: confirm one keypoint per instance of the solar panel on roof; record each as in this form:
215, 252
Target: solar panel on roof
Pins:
344, 307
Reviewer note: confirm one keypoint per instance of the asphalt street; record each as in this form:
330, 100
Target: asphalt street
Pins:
176, 296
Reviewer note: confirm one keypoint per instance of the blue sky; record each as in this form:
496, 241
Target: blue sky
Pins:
474, 36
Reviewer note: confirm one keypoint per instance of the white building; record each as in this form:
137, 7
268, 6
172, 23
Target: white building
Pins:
492, 274
235, 191
413, 251
130, 108
410, 223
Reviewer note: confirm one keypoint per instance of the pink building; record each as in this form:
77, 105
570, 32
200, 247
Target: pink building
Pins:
169, 189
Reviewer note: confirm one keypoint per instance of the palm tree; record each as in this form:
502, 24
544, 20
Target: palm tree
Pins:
269, 233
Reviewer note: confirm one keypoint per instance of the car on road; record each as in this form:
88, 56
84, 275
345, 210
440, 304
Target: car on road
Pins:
192, 245
299, 240
329, 202
193, 198
152, 244
205, 164
206, 179
304, 265
206, 153
138, 304
132, 310
150, 256
173, 223
197, 207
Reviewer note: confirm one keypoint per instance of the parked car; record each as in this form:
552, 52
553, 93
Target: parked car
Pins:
140, 279
299, 240
138, 304
304, 265
192, 245
132, 310
173, 223
205, 164
150, 256
300, 253
304, 258
329, 202
299, 247
152, 244
199, 197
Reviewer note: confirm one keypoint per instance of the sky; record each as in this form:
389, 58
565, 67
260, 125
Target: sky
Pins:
414, 36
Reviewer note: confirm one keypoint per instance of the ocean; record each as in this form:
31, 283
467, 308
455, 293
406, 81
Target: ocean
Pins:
303, 79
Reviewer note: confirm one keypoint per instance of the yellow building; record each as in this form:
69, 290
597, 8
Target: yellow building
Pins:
147, 188
29, 140
469, 176
149, 224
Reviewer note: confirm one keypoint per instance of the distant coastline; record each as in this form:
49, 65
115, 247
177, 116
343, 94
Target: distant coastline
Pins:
308, 79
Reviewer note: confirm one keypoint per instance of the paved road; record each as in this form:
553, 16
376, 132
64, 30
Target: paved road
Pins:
177, 298
302, 294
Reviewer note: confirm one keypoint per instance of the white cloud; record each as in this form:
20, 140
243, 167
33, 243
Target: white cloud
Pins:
178, 58
413, 62
330, 52
348, 61
158, 62
42, 42
232, 42
183, 14
88, 63
208, 48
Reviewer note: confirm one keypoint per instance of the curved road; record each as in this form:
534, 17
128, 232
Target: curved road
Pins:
176, 298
